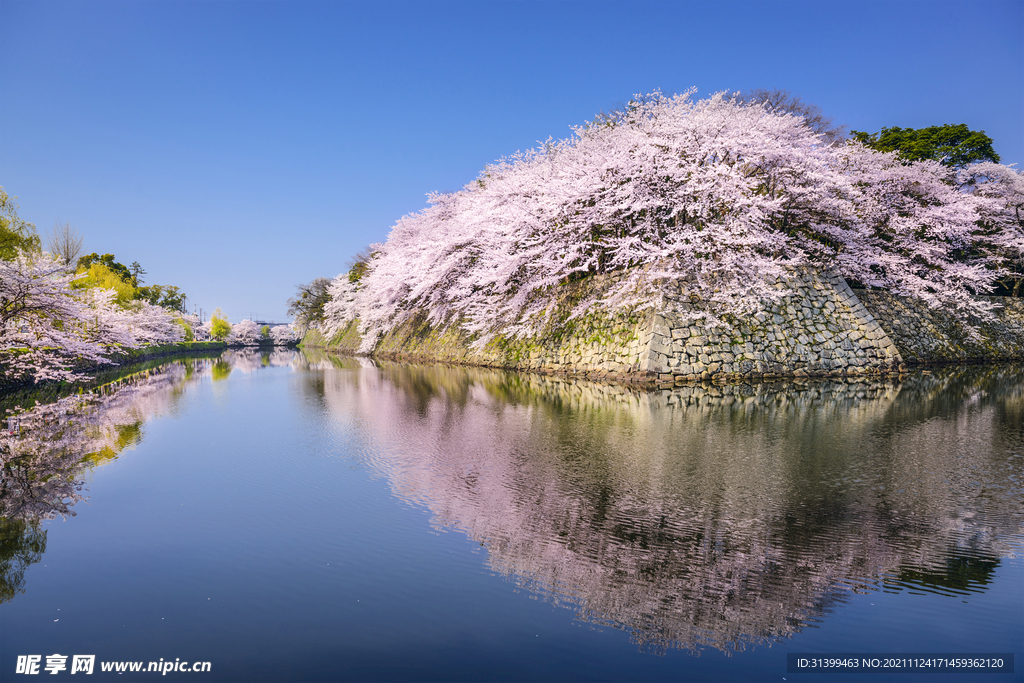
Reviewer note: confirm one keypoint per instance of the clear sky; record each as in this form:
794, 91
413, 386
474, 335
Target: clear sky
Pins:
236, 149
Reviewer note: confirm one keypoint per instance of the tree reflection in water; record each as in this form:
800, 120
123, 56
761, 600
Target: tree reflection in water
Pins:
700, 516
708, 515
46, 450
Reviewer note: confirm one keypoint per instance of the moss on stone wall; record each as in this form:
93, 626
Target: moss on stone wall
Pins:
595, 344
926, 335
822, 328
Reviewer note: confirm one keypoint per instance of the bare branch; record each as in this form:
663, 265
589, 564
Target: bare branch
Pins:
65, 243
784, 102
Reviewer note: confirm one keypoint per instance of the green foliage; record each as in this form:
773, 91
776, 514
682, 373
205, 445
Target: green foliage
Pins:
360, 264
137, 273
308, 304
955, 146
357, 271
121, 270
99, 275
220, 328
21, 544
220, 370
15, 234
186, 328
265, 331
168, 296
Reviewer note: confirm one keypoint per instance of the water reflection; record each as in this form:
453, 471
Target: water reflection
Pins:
700, 516
46, 450
711, 515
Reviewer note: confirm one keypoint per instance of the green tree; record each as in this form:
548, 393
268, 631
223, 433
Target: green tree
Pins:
15, 234
107, 260
167, 296
137, 273
308, 304
220, 328
265, 332
359, 264
186, 328
955, 146
99, 275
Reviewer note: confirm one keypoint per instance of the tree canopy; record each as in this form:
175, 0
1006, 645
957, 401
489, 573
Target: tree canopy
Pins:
307, 306
107, 260
951, 145
48, 323
167, 296
52, 319
219, 327
99, 275
15, 234
780, 101
725, 195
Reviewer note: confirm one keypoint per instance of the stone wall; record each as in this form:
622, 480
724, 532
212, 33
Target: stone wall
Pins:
820, 329
926, 335
596, 344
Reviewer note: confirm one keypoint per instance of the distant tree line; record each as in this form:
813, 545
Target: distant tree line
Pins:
60, 312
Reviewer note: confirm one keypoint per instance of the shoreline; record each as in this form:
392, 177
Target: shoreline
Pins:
822, 328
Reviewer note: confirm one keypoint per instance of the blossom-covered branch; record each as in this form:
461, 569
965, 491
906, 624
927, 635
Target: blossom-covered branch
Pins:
48, 327
725, 195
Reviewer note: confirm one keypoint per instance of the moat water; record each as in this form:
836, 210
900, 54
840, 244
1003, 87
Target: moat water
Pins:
291, 517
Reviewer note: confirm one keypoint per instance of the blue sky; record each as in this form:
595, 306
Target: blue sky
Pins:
236, 149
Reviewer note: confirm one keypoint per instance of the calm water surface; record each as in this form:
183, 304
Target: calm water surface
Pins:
289, 517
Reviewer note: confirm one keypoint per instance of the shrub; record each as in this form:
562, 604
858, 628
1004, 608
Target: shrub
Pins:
220, 328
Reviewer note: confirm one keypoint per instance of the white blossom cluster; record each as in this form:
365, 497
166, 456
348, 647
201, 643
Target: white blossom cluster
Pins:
283, 335
199, 329
725, 195
246, 333
46, 326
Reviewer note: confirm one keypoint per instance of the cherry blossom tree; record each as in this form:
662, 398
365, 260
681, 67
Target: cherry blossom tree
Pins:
44, 326
725, 195
246, 333
199, 332
48, 327
282, 335
342, 307
1001, 231
152, 325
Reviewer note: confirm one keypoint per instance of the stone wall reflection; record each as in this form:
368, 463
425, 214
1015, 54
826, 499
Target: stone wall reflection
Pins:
710, 515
